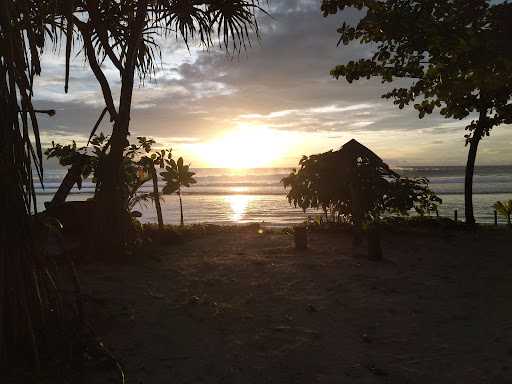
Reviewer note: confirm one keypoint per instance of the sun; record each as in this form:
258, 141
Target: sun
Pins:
247, 146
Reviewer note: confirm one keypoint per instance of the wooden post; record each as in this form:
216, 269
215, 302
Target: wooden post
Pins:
300, 236
495, 217
455, 214
374, 246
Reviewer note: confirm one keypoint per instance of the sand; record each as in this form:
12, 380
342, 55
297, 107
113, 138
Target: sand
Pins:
245, 307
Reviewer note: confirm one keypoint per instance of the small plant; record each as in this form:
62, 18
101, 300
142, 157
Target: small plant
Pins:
177, 175
138, 168
80, 163
149, 163
504, 209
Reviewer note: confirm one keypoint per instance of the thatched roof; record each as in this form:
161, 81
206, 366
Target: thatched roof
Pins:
353, 153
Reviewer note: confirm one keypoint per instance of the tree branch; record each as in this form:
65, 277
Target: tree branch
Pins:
103, 35
93, 62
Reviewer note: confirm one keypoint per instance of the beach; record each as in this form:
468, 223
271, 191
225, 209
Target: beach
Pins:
256, 192
246, 307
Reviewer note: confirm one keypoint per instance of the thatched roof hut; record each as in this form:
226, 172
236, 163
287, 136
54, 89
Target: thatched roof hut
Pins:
353, 154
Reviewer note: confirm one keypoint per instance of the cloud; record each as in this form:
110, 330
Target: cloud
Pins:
282, 82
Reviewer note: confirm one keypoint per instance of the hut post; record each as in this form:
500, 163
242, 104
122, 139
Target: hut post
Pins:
300, 236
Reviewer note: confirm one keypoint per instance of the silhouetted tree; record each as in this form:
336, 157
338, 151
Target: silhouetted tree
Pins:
176, 176
455, 54
355, 183
138, 168
126, 33
80, 163
28, 294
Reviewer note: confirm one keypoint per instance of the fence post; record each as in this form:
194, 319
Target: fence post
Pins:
455, 214
495, 217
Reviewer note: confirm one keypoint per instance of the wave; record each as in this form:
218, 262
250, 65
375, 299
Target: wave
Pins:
272, 193
443, 180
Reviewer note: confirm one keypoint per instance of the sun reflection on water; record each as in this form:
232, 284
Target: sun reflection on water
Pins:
238, 204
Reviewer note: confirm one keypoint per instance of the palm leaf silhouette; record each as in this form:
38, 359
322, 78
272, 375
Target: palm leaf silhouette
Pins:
504, 209
177, 175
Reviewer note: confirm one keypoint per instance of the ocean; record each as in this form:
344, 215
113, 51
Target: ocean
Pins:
231, 196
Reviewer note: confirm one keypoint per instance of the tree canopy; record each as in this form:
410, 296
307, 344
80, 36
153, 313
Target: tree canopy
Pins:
454, 57
456, 51
177, 175
127, 32
354, 181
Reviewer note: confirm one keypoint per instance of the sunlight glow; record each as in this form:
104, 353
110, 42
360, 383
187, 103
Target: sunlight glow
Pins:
238, 204
239, 189
248, 146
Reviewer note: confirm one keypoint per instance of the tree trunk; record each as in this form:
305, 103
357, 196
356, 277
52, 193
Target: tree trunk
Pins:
470, 169
300, 236
357, 216
374, 244
156, 198
72, 176
181, 210
112, 216
19, 310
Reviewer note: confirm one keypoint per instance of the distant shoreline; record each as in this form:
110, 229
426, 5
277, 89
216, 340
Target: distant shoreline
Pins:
227, 196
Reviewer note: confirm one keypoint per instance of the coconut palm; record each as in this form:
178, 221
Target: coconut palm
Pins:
176, 176
504, 209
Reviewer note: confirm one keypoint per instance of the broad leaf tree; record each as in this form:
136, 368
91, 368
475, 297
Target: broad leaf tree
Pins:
356, 184
452, 56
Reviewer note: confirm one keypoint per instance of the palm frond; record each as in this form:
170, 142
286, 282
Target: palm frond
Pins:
29, 295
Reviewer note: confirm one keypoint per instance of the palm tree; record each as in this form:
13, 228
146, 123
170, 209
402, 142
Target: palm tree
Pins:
128, 33
504, 209
28, 293
177, 175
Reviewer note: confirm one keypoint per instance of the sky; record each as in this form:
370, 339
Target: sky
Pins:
264, 108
